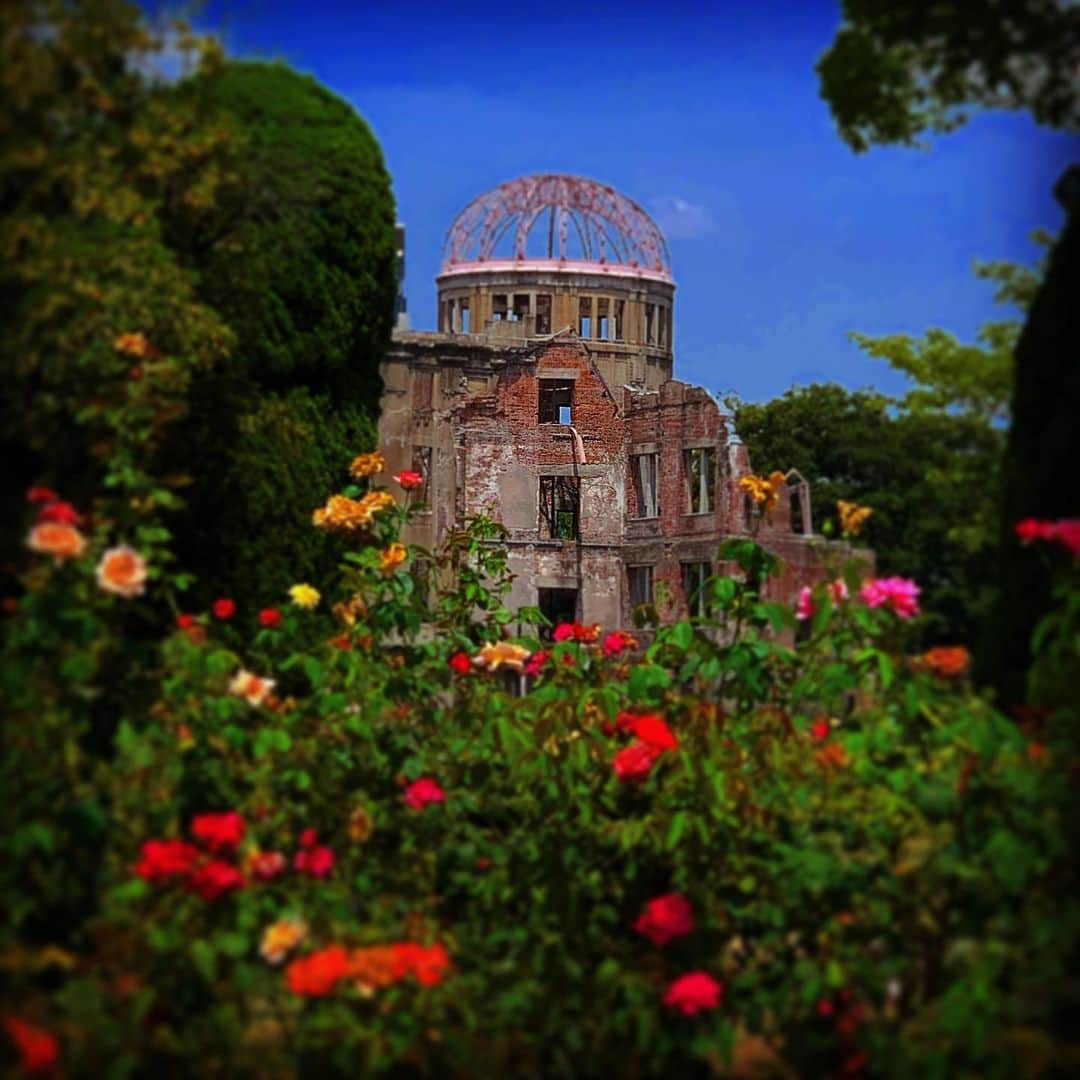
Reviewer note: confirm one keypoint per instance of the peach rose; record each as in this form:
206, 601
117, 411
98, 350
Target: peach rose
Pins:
122, 570
57, 539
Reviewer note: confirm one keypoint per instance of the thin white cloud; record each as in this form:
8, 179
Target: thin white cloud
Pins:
681, 219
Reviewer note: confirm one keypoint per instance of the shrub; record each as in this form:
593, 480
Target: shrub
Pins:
366, 856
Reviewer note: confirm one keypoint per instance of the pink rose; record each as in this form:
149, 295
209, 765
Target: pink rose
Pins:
693, 993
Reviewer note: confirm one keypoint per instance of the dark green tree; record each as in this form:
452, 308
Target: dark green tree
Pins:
898, 68
300, 260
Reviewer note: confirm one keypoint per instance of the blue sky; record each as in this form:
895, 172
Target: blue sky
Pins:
707, 114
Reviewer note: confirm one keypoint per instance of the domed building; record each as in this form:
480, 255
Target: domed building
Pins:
545, 400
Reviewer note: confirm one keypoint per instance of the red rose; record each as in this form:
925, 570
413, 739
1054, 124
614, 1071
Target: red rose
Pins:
270, 618
163, 859
693, 993
820, 730
59, 513
666, 918
409, 480
422, 792
185, 622
635, 762
38, 1049
309, 838
223, 608
426, 965
1031, 529
535, 664
318, 974
316, 862
460, 663
825, 1007
214, 879
41, 495
219, 832
267, 865
616, 642
654, 732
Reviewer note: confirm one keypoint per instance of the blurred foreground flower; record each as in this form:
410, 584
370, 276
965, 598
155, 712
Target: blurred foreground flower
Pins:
502, 654
666, 918
122, 571
365, 465
763, 490
59, 541
38, 1049
280, 938
898, 594
305, 596
852, 516
693, 993
251, 687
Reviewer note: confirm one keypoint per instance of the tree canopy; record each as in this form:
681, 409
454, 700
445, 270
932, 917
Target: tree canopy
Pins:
898, 68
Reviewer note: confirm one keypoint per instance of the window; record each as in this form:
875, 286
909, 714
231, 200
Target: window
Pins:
557, 606
556, 401
650, 324
603, 320
421, 463
463, 307
498, 307
619, 308
700, 467
641, 591
543, 313
559, 498
694, 576
521, 307
585, 317
647, 499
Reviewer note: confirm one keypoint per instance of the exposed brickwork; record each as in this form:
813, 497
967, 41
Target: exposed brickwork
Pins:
477, 405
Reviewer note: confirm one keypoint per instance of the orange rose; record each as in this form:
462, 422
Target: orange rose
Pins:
122, 570
947, 662
56, 539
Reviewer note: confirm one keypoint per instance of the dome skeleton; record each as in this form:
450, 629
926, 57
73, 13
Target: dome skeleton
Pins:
611, 229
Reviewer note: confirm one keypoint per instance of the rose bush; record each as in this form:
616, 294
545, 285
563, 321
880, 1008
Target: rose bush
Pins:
428, 846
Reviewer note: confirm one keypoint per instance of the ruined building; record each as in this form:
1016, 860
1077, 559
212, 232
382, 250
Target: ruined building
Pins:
545, 400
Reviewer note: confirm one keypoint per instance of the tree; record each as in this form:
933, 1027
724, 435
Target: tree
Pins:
928, 477
103, 329
300, 259
898, 68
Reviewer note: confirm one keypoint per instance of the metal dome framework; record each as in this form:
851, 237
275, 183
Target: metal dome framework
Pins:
612, 231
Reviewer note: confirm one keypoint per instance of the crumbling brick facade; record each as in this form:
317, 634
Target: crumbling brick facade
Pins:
615, 481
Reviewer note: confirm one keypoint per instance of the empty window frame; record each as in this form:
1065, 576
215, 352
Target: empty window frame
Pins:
617, 319
556, 401
640, 579
522, 308
421, 463
543, 313
650, 324
603, 319
463, 316
499, 307
646, 470
700, 468
662, 331
694, 577
585, 317
557, 606
559, 500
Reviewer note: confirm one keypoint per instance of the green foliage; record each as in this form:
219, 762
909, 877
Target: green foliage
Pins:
93, 159
853, 833
299, 257
930, 477
898, 69
256, 478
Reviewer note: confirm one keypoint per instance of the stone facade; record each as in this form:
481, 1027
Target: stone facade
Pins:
546, 402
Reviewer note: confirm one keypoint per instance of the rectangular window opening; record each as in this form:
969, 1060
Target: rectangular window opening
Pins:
641, 585
603, 319
700, 468
618, 320
543, 313
694, 577
522, 307
464, 308
557, 606
650, 324
646, 493
421, 463
498, 307
559, 501
556, 401
585, 317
